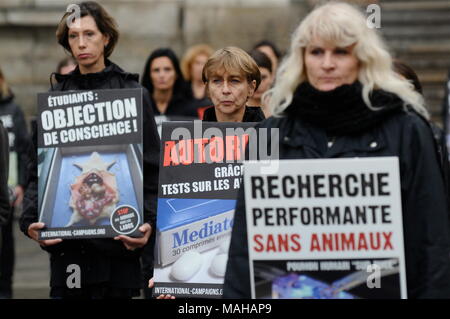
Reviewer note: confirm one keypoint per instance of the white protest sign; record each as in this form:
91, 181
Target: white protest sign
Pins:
326, 226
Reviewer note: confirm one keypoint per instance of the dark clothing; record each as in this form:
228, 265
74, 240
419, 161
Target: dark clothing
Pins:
14, 121
178, 105
251, 114
350, 116
104, 263
7, 257
6, 238
199, 103
445, 112
425, 212
4, 164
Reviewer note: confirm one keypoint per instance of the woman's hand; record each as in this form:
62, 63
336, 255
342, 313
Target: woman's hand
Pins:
151, 283
33, 233
133, 243
18, 191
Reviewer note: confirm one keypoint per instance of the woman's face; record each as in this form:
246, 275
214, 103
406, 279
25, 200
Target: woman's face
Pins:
162, 73
197, 67
229, 91
328, 66
87, 43
266, 82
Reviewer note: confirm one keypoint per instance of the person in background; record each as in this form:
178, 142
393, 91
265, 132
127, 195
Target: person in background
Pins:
14, 121
164, 81
110, 267
271, 50
192, 65
66, 65
5, 207
231, 77
265, 68
336, 95
408, 73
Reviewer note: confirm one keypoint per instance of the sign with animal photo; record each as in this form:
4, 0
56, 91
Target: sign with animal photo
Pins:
90, 163
326, 229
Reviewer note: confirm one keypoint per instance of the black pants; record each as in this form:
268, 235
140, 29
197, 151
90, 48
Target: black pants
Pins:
7, 258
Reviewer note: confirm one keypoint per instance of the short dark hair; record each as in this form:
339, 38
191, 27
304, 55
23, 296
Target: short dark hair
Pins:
105, 23
408, 73
270, 44
261, 59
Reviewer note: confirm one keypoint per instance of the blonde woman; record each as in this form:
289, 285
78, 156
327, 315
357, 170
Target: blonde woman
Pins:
192, 65
337, 96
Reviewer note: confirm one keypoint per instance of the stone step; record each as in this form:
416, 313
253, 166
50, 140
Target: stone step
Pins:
423, 63
421, 47
434, 93
420, 32
415, 5
434, 17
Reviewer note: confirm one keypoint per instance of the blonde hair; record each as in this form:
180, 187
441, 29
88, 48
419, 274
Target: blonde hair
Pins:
343, 25
190, 55
232, 59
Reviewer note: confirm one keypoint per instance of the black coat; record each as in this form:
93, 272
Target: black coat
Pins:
251, 114
178, 105
102, 261
5, 209
425, 211
14, 121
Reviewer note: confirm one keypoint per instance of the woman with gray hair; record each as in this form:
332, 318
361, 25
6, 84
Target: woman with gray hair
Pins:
337, 96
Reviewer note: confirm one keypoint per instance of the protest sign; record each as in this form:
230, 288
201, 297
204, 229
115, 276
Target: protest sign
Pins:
326, 228
90, 163
200, 174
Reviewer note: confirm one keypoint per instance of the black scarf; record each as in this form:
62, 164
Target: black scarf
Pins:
342, 111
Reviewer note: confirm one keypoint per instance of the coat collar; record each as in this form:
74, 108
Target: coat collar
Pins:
84, 80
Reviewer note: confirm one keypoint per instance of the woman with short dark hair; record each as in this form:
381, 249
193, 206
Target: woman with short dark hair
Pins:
105, 24
110, 268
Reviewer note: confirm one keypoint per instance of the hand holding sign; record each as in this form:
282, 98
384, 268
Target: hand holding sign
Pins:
33, 233
133, 243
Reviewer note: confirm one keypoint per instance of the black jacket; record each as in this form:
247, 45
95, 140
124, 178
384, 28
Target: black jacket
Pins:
101, 260
178, 105
251, 114
425, 211
14, 121
5, 210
